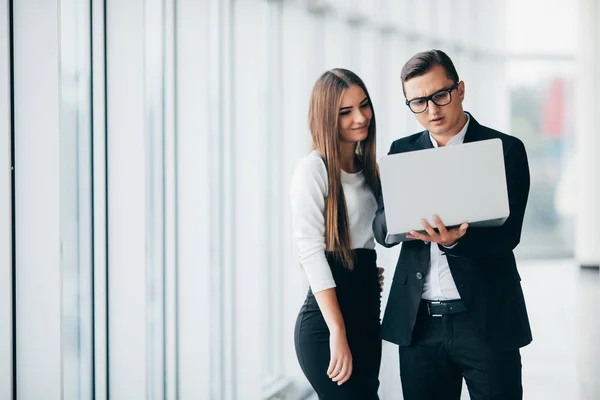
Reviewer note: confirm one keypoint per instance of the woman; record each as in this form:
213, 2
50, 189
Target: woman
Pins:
333, 192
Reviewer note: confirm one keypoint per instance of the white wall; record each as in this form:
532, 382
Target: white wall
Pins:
587, 232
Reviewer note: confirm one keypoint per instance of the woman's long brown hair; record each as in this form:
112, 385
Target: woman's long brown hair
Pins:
323, 115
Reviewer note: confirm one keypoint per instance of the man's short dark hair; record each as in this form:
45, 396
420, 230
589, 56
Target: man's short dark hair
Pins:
424, 61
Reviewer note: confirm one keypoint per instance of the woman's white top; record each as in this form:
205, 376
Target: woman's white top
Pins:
308, 192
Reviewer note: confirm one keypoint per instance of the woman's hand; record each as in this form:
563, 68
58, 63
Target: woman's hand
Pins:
380, 276
340, 365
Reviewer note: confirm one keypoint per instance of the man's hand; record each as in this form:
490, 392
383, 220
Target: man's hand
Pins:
445, 237
380, 276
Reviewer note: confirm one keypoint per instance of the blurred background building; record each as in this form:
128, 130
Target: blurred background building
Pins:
147, 148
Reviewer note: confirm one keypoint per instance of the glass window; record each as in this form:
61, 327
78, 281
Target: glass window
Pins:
75, 200
542, 116
6, 303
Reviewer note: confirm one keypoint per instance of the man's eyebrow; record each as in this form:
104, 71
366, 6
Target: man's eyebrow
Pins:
423, 97
345, 108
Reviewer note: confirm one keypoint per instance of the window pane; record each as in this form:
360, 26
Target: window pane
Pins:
155, 192
6, 315
542, 116
75, 200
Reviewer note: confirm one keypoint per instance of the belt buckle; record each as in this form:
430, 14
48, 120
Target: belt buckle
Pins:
429, 309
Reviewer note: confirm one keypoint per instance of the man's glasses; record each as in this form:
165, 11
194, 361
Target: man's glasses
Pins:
440, 98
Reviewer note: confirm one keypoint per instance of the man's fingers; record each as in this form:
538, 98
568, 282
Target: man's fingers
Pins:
463, 229
440, 225
419, 236
380, 271
459, 231
429, 229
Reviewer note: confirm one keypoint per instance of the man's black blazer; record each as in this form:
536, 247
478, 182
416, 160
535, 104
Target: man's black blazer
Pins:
482, 262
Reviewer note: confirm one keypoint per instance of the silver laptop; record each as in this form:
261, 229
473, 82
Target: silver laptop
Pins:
463, 183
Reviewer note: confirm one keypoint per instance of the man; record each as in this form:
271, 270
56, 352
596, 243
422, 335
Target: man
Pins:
456, 307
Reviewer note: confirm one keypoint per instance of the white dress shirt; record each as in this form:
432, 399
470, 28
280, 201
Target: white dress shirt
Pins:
439, 283
308, 193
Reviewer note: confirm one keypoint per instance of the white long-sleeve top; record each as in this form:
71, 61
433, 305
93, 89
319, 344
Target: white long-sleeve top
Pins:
308, 193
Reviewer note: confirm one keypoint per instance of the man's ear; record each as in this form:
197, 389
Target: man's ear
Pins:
461, 90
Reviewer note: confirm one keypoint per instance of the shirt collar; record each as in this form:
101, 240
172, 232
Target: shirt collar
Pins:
459, 138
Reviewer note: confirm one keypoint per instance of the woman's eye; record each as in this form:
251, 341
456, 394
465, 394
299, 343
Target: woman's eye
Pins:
345, 113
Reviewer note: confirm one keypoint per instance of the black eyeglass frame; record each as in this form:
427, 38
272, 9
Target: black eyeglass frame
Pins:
430, 97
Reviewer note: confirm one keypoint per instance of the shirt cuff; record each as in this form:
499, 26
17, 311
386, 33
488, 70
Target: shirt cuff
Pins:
319, 287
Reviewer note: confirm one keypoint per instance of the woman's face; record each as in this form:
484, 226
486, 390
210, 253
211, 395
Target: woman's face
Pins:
354, 115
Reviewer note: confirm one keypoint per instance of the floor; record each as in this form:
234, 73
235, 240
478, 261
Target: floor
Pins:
563, 362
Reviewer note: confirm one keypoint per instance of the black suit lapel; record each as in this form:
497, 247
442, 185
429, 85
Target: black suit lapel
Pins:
473, 131
424, 141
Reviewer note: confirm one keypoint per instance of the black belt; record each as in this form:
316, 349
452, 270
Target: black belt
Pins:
440, 308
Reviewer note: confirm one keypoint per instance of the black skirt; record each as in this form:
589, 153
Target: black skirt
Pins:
359, 298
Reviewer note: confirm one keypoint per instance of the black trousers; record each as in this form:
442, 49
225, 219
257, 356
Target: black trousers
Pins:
446, 349
359, 299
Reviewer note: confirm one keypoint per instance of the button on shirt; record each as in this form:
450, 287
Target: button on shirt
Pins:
439, 283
